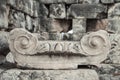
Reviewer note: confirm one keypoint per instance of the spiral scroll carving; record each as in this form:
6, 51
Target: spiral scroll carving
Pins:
95, 43
23, 42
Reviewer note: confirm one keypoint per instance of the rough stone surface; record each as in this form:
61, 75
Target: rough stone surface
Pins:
57, 11
10, 58
87, 11
79, 25
29, 7
114, 56
107, 1
58, 1
3, 14
4, 49
88, 1
109, 72
82, 74
43, 11
20, 20
114, 11
113, 25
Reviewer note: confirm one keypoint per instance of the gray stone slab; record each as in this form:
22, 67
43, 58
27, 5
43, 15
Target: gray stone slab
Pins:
81, 74
87, 11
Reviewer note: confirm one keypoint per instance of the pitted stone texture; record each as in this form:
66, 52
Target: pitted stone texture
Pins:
87, 11
3, 14
58, 1
109, 72
20, 20
89, 1
57, 11
113, 25
114, 56
114, 11
107, 1
30, 7
81, 74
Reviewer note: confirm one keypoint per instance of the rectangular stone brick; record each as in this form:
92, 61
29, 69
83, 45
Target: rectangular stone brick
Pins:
87, 11
58, 1
57, 11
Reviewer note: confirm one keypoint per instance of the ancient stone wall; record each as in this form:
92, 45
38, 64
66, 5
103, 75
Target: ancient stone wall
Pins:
60, 20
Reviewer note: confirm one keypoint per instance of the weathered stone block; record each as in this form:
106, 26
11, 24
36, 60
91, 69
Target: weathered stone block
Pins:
114, 11
107, 1
57, 11
3, 14
87, 11
81, 74
58, 1
79, 25
29, 7
89, 1
113, 25
20, 20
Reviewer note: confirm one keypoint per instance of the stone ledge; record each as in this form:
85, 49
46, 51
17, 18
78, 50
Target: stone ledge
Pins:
81, 74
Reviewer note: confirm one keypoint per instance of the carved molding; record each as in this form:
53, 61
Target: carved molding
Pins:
91, 49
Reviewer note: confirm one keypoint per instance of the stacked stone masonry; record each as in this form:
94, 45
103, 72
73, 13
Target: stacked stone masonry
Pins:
59, 23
